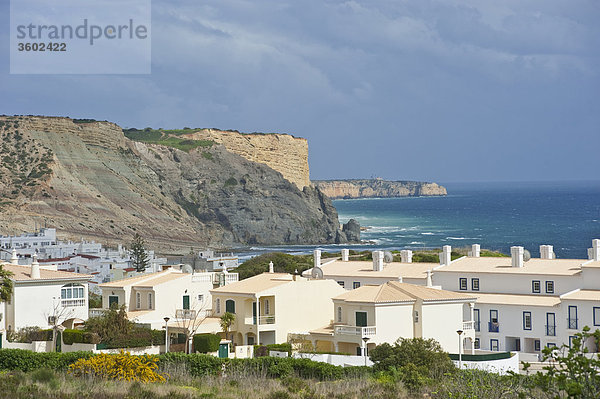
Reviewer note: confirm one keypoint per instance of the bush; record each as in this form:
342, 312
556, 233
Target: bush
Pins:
24, 360
30, 334
81, 337
205, 343
122, 367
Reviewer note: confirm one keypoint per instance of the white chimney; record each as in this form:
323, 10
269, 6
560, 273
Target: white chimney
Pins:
345, 255
317, 256
594, 251
445, 255
429, 282
475, 251
35, 268
271, 270
517, 256
406, 256
377, 261
14, 259
546, 252
399, 279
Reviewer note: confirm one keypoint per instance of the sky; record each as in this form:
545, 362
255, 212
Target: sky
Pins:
445, 91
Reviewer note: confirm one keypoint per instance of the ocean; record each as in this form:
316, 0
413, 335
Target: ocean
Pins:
495, 215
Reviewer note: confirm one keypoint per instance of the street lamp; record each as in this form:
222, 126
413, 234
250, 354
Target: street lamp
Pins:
166, 319
459, 332
365, 339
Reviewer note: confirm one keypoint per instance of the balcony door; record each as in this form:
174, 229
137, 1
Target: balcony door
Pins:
550, 324
186, 302
361, 319
476, 319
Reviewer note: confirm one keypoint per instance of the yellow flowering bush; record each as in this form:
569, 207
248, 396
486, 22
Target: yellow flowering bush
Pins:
122, 367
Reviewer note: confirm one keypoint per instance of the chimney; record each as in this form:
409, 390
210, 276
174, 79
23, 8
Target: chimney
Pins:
317, 256
429, 282
594, 251
377, 261
271, 270
546, 252
35, 268
399, 279
445, 255
475, 251
406, 256
14, 259
345, 255
517, 256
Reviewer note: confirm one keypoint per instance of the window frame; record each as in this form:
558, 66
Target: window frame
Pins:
341, 283
477, 343
463, 284
525, 315
355, 285
539, 286
229, 303
596, 320
551, 284
473, 281
537, 345
492, 341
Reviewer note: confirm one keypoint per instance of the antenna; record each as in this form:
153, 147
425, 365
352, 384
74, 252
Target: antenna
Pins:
317, 273
388, 257
526, 255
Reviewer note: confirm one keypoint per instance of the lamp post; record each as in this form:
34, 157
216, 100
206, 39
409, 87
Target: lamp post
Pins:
459, 332
166, 319
365, 339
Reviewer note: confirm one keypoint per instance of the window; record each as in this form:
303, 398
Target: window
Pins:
550, 324
475, 284
494, 325
537, 345
150, 304
339, 314
113, 301
230, 306
462, 283
267, 310
536, 286
186, 302
549, 287
356, 284
476, 319
341, 283
477, 344
218, 305
526, 320
138, 300
361, 319
551, 345
494, 345
572, 318
596, 316
72, 291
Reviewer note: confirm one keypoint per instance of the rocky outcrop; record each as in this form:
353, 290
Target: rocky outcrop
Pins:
284, 153
88, 180
377, 188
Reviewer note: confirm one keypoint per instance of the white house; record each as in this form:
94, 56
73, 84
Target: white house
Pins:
42, 296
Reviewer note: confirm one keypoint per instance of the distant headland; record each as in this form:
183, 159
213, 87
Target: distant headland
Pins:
377, 188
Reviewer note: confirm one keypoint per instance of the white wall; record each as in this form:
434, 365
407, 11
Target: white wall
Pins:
393, 322
441, 321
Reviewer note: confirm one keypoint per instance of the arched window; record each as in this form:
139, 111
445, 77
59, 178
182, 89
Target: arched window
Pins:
218, 305
72, 291
230, 306
339, 314
138, 300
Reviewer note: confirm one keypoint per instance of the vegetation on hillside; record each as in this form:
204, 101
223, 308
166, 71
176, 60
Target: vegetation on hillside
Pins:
167, 138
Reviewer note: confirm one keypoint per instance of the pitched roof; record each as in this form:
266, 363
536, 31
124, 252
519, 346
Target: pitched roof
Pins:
23, 273
519, 300
396, 292
582, 295
564, 267
146, 280
256, 284
392, 270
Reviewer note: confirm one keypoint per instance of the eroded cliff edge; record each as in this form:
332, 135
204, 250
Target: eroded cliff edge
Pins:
88, 180
377, 188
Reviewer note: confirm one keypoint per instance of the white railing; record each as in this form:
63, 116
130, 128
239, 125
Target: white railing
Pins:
185, 314
96, 312
69, 303
266, 320
358, 331
215, 278
468, 325
232, 278
202, 278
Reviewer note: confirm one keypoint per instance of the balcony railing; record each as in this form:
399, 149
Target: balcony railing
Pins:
185, 314
96, 312
550, 331
572, 324
358, 331
468, 325
69, 303
494, 326
266, 320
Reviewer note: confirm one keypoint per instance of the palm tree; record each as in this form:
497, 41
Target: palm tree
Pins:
6, 285
226, 321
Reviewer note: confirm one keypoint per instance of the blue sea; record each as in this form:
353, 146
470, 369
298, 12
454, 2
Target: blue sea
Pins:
495, 215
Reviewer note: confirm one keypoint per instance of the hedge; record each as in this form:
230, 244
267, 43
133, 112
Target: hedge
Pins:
80, 337
285, 347
139, 338
25, 360
205, 343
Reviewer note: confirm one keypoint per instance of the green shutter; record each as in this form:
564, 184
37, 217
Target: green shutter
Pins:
113, 300
230, 306
361, 319
186, 301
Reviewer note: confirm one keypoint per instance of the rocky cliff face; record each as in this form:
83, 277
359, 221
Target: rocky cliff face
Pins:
281, 152
372, 188
88, 180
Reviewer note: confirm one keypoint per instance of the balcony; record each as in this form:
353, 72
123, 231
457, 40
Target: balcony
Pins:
96, 312
185, 314
468, 325
357, 331
494, 326
550, 331
70, 303
266, 320
572, 324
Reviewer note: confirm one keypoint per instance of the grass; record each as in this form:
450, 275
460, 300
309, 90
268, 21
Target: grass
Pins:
166, 138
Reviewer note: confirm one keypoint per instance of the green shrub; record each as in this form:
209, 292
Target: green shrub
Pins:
79, 336
24, 360
205, 343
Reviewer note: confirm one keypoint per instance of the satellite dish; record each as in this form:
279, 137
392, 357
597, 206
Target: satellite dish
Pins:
187, 269
388, 257
526, 255
317, 273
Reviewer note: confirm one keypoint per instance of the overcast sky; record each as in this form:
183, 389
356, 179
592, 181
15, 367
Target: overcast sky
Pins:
465, 90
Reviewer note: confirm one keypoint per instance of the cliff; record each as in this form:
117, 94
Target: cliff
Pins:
376, 188
284, 153
88, 180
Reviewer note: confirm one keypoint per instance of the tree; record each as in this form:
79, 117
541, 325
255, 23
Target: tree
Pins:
189, 320
56, 316
570, 373
226, 321
138, 254
6, 284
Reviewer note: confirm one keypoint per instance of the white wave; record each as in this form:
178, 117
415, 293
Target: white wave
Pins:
416, 243
428, 233
456, 238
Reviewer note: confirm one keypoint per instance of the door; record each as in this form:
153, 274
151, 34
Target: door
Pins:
113, 300
550, 324
476, 319
361, 319
573, 317
250, 340
186, 301
58, 341
224, 350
